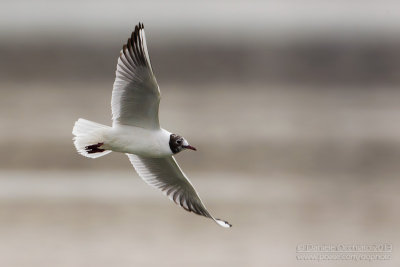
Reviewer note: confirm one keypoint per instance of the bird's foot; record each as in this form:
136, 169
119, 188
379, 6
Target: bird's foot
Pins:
94, 148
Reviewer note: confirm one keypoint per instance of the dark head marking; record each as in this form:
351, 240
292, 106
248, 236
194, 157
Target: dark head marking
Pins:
176, 143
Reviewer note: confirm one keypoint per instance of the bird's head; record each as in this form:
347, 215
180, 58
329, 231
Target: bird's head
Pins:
178, 143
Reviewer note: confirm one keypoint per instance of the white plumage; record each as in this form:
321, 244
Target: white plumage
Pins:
136, 130
88, 133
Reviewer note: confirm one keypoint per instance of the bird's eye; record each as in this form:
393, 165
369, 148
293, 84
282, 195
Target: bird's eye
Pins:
179, 142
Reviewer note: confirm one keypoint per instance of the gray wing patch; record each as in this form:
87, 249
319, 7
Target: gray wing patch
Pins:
136, 95
165, 174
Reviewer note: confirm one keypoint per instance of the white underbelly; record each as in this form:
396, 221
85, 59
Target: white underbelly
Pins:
138, 141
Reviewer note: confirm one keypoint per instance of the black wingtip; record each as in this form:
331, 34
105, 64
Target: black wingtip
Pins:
135, 32
139, 26
223, 223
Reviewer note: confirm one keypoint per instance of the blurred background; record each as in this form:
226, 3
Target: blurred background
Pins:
294, 107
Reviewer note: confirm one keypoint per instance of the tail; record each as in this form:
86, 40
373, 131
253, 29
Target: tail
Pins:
88, 138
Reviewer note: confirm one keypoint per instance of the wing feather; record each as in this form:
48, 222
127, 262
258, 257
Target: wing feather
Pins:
165, 174
136, 95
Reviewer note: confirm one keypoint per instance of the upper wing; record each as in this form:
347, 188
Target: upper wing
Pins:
136, 95
165, 174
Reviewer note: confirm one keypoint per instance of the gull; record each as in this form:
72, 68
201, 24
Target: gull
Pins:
136, 130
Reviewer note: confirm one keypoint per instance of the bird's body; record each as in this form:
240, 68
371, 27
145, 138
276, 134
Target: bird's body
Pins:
136, 140
136, 130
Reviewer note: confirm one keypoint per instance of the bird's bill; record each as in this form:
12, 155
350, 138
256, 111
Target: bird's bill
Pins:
190, 147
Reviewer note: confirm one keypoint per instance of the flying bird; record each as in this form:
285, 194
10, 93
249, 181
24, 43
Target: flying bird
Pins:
136, 130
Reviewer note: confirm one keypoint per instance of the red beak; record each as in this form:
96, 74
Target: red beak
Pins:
190, 147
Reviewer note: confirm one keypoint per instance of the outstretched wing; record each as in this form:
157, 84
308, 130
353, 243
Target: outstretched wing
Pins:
165, 174
136, 95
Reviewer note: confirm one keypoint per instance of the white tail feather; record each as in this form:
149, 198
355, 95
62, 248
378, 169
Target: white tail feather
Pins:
87, 133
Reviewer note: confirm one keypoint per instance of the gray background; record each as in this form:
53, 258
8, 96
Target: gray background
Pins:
293, 105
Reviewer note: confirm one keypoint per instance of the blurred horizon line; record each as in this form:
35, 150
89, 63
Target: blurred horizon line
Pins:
321, 63
226, 21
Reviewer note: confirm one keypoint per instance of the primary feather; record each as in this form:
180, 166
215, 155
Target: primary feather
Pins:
136, 95
166, 175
